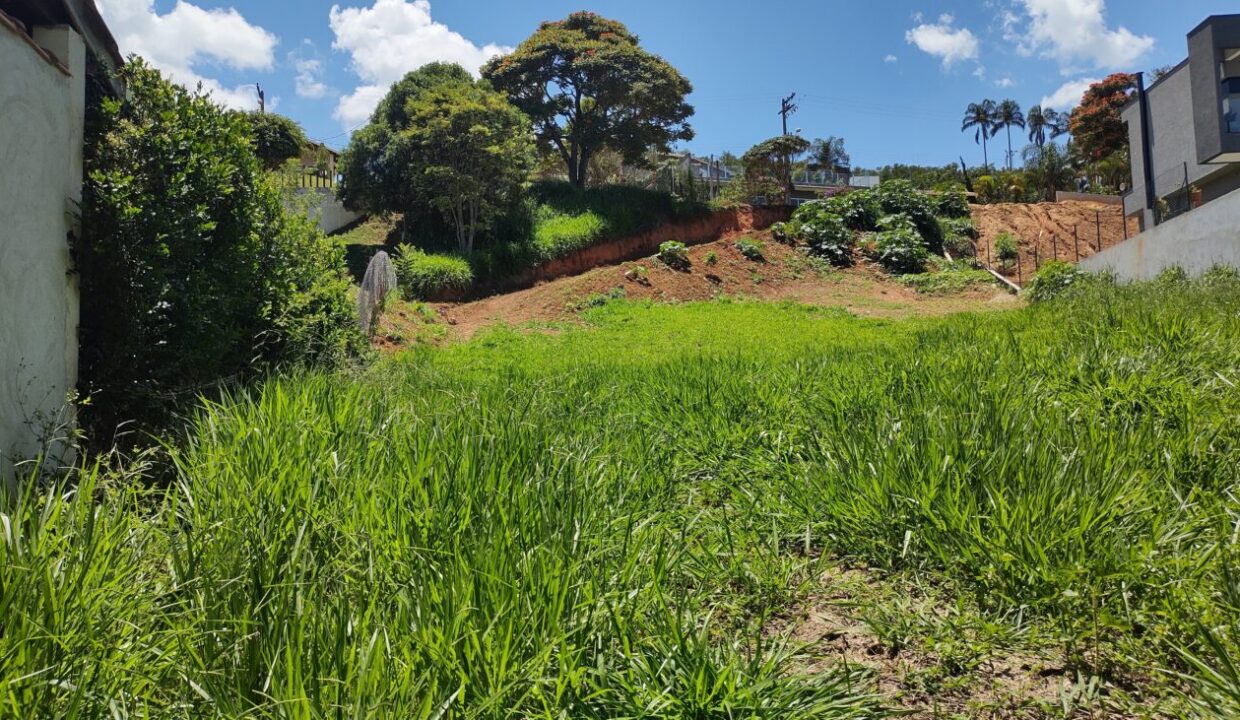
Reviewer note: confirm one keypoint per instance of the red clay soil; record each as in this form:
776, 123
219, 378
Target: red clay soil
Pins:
786, 274
1046, 231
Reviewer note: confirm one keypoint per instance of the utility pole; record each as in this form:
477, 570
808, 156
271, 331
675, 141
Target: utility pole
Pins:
786, 108
262, 99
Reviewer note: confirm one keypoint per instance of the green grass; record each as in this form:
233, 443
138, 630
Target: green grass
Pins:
607, 522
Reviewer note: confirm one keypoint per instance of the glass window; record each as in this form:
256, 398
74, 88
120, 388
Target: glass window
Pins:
1231, 104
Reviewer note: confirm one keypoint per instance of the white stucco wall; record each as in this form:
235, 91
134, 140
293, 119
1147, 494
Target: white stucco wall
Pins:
322, 204
41, 116
1195, 241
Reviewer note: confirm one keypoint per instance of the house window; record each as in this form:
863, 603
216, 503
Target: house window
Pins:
1231, 89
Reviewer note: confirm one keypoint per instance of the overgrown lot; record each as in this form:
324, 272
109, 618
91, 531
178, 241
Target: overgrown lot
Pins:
627, 520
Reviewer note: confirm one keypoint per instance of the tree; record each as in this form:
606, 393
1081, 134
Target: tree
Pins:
1007, 116
440, 145
769, 163
1096, 124
191, 269
980, 117
277, 139
1049, 168
587, 85
470, 153
828, 155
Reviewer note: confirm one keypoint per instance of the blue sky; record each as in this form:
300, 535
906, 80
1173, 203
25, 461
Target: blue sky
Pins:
891, 76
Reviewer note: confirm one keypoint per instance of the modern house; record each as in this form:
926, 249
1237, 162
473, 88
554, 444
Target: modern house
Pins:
53, 55
1184, 133
1184, 129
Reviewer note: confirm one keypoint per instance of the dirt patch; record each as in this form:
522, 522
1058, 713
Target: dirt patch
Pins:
1069, 231
717, 269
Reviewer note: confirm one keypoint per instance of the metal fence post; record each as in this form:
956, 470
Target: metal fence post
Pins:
1054, 247
1098, 227
1076, 241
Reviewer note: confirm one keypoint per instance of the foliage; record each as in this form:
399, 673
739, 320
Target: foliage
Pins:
922, 178
1053, 280
900, 197
980, 118
276, 138
1045, 124
674, 255
859, 209
952, 203
825, 233
191, 270
770, 163
558, 235
900, 249
959, 236
828, 155
431, 277
588, 85
712, 258
750, 248
784, 232
949, 278
1007, 116
1049, 169
1006, 249
1096, 125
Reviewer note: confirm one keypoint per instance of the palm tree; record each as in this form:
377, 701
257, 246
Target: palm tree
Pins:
980, 117
1058, 122
1008, 116
1037, 123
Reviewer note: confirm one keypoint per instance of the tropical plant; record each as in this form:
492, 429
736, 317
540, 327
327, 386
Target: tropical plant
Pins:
829, 154
1045, 124
900, 249
980, 117
674, 254
751, 249
770, 163
587, 84
1049, 169
1006, 249
859, 209
1007, 116
1053, 280
826, 234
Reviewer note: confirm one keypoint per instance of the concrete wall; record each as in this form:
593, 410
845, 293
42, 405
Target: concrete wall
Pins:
41, 116
322, 204
1196, 241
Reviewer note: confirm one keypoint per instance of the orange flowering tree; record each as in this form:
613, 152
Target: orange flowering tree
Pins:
1095, 123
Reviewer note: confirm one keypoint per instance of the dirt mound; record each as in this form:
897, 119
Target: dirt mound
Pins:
716, 269
1068, 231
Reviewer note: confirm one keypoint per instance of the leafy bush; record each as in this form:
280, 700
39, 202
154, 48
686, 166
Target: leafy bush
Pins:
900, 249
191, 269
430, 277
1006, 249
958, 236
712, 258
784, 233
948, 277
953, 203
750, 248
825, 234
900, 197
1053, 279
674, 255
860, 209
1174, 275
1221, 276
625, 209
276, 138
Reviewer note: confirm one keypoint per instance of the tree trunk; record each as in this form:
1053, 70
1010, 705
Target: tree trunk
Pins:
1009, 134
985, 155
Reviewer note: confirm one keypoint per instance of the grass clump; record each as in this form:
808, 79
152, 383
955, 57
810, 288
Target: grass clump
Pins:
558, 235
423, 276
957, 276
609, 522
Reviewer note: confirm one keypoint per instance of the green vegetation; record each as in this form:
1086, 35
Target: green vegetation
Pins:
952, 277
588, 86
674, 255
431, 277
1054, 279
1006, 249
276, 139
619, 521
750, 248
191, 269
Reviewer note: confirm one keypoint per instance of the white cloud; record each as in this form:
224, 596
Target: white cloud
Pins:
187, 36
309, 81
944, 41
391, 38
1075, 34
891, 59
1006, 82
1068, 95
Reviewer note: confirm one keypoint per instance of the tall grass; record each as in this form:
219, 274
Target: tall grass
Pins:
604, 523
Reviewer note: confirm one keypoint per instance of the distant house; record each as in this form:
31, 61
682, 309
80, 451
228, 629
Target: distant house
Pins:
1184, 132
1184, 129
319, 163
51, 53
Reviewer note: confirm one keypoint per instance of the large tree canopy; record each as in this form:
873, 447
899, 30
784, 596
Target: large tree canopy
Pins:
588, 85
277, 139
769, 164
439, 141
1096, 124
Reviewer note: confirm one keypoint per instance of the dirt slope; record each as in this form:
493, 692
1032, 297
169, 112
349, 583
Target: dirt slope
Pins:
785, 274
1049, 230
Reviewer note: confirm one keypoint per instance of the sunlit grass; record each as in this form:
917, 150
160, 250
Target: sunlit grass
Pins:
605, 522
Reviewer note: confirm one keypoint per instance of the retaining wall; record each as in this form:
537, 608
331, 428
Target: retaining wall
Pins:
1194, 241
321, 203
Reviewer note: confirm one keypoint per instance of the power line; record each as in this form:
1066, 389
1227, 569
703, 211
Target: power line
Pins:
786, 108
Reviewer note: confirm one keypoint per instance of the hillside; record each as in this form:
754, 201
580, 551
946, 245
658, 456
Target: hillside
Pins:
1049, 230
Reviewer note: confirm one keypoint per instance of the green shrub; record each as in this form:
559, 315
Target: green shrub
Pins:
859, 209
1174, 275
1006, 249
626, 209
900, 249
191, 269
556, 236
1054, 279
750, 248
674, 255
430, 277
712, 258
784, 232
275, 138
958, 236
946, 277
829, 238
953, 203
899, 197
1221, 276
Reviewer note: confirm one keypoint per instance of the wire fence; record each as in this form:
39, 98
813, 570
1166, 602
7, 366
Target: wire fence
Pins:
1077, 242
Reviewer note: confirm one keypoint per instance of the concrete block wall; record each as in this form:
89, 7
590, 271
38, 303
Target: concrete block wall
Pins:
42, 98
321, 204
